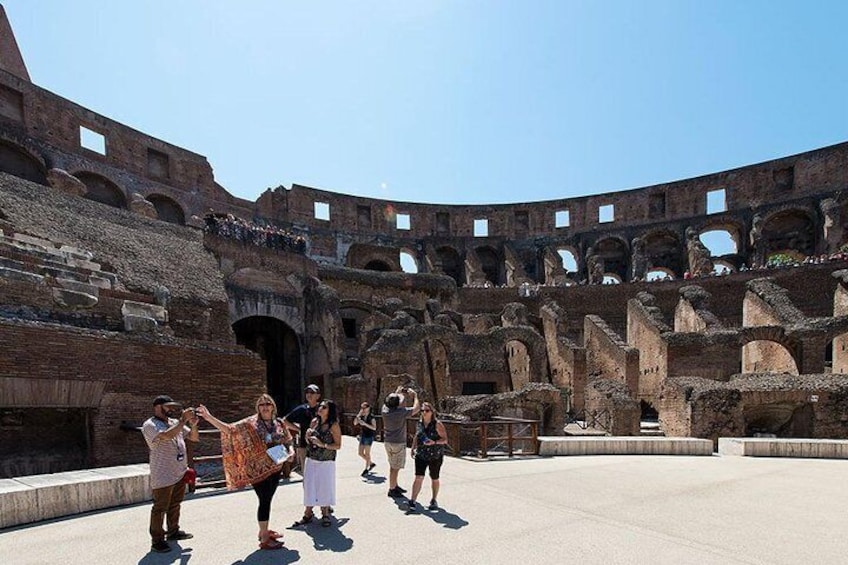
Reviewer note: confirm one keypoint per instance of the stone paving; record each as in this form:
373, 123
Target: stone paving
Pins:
592, 509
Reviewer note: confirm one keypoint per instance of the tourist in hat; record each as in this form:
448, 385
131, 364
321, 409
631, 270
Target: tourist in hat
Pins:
165, 434
300, 418
247, 460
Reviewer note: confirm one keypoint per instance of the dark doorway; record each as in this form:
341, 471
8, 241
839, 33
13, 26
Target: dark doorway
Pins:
649, 413
278, 345
469, 388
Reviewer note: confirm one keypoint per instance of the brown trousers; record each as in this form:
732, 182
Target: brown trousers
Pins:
166, 504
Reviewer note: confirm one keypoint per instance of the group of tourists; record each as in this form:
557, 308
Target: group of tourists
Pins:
256, 449
229, 226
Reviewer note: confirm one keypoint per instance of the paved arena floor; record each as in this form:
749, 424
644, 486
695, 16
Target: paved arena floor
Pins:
586, 510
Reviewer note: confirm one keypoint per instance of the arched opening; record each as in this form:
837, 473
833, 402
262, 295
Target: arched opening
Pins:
518, 361
490, 262
649, 413
451, 264
17, 162
407, 262
664, 252
764, 356
722, 268
101, 189
615, 256
276, 343
612, 278
569, 260
789, 231
780, 419
167, 209
720, 242
659, 275
377, 265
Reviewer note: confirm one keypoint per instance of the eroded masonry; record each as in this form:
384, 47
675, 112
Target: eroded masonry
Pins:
126, 271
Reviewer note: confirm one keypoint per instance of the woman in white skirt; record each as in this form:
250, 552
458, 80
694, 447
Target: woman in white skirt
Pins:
324, 439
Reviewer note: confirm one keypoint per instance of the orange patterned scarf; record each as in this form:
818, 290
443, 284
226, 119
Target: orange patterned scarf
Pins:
245, 459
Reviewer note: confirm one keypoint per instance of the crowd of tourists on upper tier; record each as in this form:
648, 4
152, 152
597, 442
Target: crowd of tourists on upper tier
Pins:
249, 233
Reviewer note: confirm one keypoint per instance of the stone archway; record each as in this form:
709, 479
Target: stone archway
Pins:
100, 189
167, 209
278, 344
16, 161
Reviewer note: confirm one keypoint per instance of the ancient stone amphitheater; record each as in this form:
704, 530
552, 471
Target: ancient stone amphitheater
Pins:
126, 271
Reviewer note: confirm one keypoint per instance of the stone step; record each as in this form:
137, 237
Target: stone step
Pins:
73, 299
65, 254
78, 286
783, 447
18, 275
624, 445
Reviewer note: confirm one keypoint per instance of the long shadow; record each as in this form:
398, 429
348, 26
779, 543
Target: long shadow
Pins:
443, 517
328, 538
374, 479
153, 558
266, 557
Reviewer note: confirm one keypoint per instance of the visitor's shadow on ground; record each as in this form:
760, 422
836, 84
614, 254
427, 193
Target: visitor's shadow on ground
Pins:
328, 538
440, 516
374, 479
153, 558
265, 557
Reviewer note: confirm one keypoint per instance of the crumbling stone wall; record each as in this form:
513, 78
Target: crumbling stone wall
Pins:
609, 405
608, 356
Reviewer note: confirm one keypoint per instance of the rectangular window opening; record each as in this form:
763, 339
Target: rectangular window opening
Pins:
402, 221
478, 388
481, 228
442, 222
562, 219
158, 164
522, 220
363, 216
716, 201
606, 213
92, 140
349, 326
322, 211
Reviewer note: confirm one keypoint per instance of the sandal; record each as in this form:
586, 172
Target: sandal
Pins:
272, 535
325, 521
303, 521
271, 544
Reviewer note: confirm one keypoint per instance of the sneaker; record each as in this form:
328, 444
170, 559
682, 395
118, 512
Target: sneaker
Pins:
433, 505
179, 534
364, 473
412, 507
371, 466
160, 546
401, 489
395, 493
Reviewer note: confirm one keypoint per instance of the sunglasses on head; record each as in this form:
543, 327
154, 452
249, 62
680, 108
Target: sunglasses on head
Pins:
426, 410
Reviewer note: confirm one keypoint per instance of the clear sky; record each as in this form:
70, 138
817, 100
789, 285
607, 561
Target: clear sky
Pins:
453, 101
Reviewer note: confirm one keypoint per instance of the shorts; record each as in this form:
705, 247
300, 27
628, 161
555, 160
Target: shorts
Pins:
434, 465
397, 455
366, 440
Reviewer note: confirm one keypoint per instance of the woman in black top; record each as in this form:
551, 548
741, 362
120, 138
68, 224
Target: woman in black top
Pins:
365, 420
428, 449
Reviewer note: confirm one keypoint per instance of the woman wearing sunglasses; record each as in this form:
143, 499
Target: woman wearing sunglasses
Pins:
244, 445
324, 439
428, 449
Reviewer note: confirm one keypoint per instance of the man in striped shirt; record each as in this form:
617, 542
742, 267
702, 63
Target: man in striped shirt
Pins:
165, 436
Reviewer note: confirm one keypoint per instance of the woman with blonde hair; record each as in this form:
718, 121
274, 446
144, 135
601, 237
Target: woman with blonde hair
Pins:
428, 449
247, 461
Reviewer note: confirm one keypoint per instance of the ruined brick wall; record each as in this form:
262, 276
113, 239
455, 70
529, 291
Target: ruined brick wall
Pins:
840, 343
135, 370
611, 406
646, 335
761, 356
607, 355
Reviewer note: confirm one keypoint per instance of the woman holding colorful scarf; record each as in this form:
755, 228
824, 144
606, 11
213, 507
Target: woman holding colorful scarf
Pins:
244, 445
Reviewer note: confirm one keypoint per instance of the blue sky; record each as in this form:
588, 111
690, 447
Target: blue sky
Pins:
462, 101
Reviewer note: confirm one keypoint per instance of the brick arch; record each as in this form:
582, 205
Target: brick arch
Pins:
452, 263
102, 189
665, 250
790, 228
491, 262
615, 252
774, 334
20, 162
167, 209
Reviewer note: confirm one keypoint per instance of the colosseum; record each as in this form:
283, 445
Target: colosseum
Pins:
127, 271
